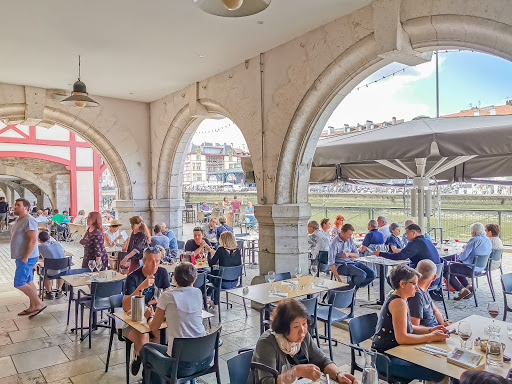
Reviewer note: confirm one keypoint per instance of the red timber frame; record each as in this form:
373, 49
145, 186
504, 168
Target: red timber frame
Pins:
97, 167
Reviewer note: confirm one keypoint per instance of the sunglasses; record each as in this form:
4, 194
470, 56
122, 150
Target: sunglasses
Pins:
151, 249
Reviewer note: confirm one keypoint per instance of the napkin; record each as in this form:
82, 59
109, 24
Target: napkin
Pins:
96, 280
434, 349
277, 294
318, 286
290, 282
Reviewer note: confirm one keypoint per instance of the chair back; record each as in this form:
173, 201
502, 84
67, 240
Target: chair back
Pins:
194, 349
481, 261
80, 229
362, 328
200, 215
439, 279
231, 273
107, 288
56, 264
216, 214
78, 271
181, 244
323, 261
496, 255
280, 276
239, 367
506, 282
341, 299
200, 281
311, 306
41, 224
116, 301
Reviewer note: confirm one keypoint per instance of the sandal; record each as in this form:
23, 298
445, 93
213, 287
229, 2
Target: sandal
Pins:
25, 312
37, 312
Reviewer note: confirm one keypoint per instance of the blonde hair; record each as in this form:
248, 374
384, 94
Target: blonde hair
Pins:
227, 240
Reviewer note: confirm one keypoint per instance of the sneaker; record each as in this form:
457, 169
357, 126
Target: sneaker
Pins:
59, 293
48, 295
136, 365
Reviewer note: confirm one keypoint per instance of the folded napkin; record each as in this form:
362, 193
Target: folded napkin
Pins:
96, 280
434, 349
290, 282
318, 286
277, 294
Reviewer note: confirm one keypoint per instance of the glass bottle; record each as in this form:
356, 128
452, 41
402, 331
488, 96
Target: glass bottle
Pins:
370, 374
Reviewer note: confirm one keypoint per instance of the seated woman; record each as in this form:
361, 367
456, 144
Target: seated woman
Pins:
493, 232
227, 255
394, 241
289, 343
395, 328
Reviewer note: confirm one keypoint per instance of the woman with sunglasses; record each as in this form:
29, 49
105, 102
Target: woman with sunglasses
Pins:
394, 328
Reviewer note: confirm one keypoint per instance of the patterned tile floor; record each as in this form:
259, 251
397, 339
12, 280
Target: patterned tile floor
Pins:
43, 350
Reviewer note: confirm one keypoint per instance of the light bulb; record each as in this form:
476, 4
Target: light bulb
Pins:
232, 5
80, 104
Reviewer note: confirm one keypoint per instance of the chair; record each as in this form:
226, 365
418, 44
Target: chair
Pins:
240, 246
437, 289
53, 264
216, 214
201, 284
181, 244
240, 366
201, 218
189, 213
479, 261
330, 313
226, 273
495, 260
312, 307
323, 263
184, 350
506, 284
280, 276
42, 225
241, 234
361, 328
98, 301
262, 367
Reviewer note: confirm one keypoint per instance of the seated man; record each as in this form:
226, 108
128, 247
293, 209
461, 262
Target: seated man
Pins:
373, 237
41, 218
417, 249
249, 215
205, 208
318, 240
210, 231
478, 245
173, 242
198, 244
223, 227
159, 238
406, 224
341, 252
182, 308
216, 207
145, 279
67, 219
422, 309
51, 249
382, 222
59, 225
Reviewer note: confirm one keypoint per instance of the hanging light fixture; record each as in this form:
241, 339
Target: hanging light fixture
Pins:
232, 8
79, 97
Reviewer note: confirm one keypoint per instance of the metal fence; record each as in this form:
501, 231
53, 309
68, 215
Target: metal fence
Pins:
455, 222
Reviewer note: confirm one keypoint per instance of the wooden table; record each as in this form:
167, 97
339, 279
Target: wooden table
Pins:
81, 279
260, 292
440, 364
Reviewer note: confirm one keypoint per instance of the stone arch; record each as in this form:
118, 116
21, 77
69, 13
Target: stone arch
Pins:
44, 186
169, 178
16, 112
426, 33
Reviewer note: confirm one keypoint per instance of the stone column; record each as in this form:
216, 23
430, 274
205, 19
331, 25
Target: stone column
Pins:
40, 201
169, 211
128, 208
283, 242
62, 188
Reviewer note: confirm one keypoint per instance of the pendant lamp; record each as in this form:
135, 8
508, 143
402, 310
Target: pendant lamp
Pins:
232, 8
79, 97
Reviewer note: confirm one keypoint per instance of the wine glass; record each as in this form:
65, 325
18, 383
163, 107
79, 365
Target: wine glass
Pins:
494, 310
465, 332
99, 266
92, 265
314, 269
271, 278
298, 273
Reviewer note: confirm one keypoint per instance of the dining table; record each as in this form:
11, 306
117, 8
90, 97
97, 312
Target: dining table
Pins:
414, 354
290, 288
171, 267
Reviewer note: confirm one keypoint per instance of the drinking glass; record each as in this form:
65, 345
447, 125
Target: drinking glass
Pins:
99, 266
494, 352
298, 273
92, 265
314, 269
465, 333
271, 278
288, 374
493, 309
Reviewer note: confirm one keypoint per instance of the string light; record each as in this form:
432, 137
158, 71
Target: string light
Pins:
216, 130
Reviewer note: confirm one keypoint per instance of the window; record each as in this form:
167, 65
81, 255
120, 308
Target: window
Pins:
198, 157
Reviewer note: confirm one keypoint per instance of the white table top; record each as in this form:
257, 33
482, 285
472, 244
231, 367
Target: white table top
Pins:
248, 238
381, 260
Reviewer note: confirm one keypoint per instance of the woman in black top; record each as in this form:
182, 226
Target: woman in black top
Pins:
137, 242
394, 327
227, 255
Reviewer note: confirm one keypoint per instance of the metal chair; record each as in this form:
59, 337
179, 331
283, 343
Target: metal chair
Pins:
97, 301
53, 264
230, 274
506, 284
189, 213
495, 260
437, 289
201, 284
479, 261
330, 313
181, 244
240, 366
255, 366
280, 276
361, 328
323, 263
312, 307
184, 350
240, 246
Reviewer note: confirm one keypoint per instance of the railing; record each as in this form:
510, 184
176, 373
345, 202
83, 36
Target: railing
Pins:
455, 222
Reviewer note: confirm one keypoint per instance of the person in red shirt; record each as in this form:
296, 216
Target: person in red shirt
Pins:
235, 213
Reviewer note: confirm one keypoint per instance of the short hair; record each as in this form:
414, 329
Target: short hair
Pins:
185, 274
44, 236
81, 212
198, 229
314, 224
285, 313
427, 269
55, 211
324, 221
222, 220
481, 377
227, 240
373, 224
39, 212
234, 197
477, 228
25, 202
413, 227
158, 228
393, 226
408, 222
96, 219
401, 273
152, 250
65, 212
494, 229
382, 218
347, 227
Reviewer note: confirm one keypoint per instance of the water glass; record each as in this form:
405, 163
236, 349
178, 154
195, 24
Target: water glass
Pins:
314, 268
494, 353
271, 278
288, 374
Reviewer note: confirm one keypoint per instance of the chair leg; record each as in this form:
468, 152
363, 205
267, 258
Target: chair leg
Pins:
91, 316
474, 291
110, 340
127, 357
70, 299
245, 307
444, 304
227, 300
328, 325
218, 298
448, 285
316, 335
81, 321
489, 280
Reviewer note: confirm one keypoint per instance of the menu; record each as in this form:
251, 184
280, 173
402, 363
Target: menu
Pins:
465, 359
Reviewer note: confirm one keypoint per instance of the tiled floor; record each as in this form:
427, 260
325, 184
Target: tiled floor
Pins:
43, 350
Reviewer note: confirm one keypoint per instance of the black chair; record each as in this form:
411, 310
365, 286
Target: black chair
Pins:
117, 302
280, 276
240, 366
184, 350
361, 328
99, 300
479, 261
436, 290
230, 274
312, 307
201, 284
323, 263
53, 264
181, 244
506, 284
330, 313
262, 367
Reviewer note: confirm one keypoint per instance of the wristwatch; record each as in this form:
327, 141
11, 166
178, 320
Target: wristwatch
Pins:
149, 318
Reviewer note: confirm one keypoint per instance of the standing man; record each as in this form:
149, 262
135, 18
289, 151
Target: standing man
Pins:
382, 222
25, 251
4, 213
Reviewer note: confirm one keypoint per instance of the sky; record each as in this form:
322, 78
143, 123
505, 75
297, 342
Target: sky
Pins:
465, 79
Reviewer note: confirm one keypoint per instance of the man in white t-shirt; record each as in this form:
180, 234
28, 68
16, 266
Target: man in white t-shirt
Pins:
184, 305
382, 222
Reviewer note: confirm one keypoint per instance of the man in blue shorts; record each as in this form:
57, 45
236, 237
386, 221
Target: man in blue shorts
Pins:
24, 250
